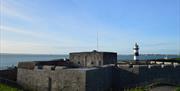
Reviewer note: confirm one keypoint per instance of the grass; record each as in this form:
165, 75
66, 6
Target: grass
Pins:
178, 59
178, 88
4, 87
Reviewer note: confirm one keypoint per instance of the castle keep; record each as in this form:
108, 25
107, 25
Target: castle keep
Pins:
92, 71
90, 59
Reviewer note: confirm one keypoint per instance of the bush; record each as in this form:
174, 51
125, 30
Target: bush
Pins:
178, 89
178, 59
4, 87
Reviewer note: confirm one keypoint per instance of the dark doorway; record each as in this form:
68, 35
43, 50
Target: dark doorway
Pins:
49, 84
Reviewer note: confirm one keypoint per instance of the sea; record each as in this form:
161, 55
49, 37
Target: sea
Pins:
11, 60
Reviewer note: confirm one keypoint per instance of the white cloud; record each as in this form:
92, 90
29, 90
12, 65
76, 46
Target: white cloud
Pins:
21, 31
43, 42
42, 36
23, 47
8, 46
9, 10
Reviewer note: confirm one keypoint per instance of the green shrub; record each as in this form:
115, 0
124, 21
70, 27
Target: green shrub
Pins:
178, 89
178, 59
4, 87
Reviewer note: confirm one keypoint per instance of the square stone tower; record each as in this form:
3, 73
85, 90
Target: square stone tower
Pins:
94, 58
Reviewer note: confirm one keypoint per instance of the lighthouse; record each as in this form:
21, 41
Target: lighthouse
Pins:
136, 52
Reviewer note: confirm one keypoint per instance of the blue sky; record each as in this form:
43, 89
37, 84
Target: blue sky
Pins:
63, 26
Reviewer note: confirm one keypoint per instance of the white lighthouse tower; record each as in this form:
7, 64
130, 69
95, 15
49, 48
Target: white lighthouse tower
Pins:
136, 52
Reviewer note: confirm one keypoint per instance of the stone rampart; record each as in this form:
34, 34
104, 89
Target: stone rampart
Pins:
47, 79
134, 75
101, 78
44, 78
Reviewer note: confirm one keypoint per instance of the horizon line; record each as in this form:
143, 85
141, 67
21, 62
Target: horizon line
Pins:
70, 52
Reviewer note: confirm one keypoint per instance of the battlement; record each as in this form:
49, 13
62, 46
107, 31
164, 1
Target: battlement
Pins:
45, 64
57, 68
149, 66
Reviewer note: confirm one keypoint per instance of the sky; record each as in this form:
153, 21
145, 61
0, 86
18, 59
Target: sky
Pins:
63, 26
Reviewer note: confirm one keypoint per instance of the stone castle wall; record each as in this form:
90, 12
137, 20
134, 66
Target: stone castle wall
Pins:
99, 79
90, 59
48, 80
97, 71
102, 78
87, 59
66, 79
126, 76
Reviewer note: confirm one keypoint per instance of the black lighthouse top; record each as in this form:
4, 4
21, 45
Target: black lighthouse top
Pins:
136, 47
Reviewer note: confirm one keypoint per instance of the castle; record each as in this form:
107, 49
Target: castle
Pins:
93, 71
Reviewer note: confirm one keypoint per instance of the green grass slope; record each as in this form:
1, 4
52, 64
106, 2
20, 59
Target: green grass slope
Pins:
4, 87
